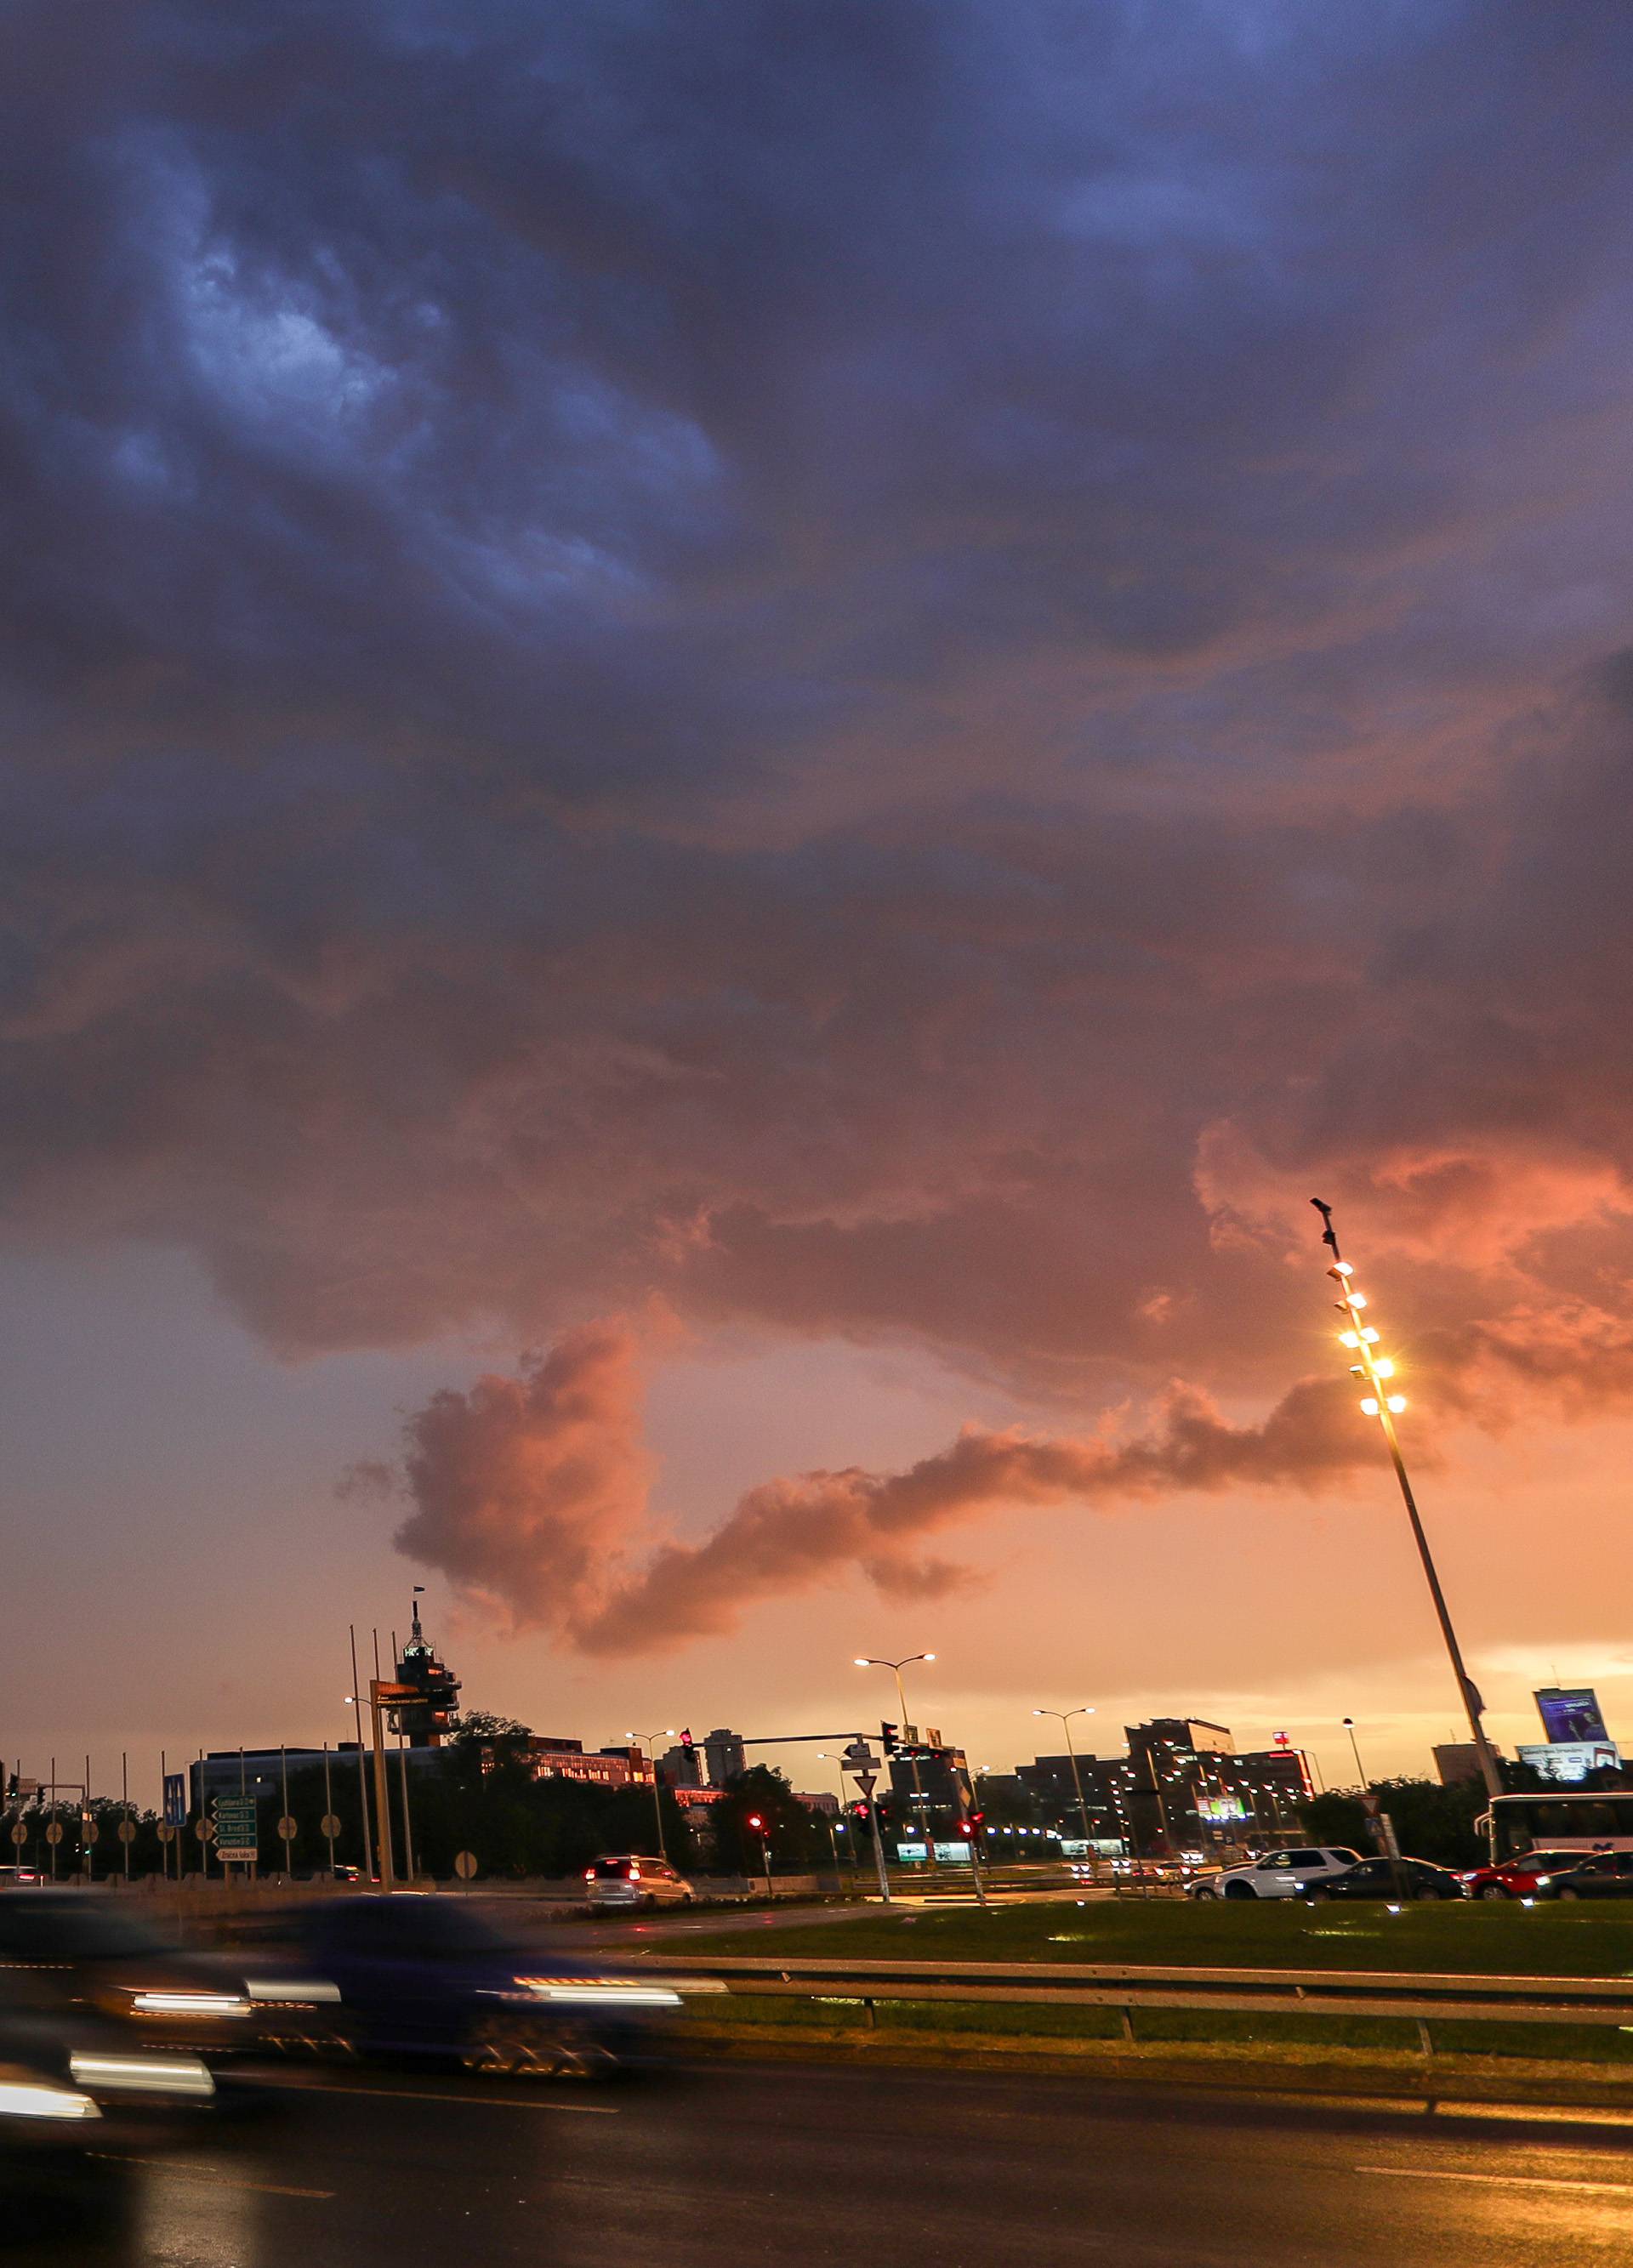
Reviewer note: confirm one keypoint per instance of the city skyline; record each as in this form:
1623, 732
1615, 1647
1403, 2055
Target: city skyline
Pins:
730, 764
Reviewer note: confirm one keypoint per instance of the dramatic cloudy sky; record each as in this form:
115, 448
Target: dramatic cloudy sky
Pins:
737, 737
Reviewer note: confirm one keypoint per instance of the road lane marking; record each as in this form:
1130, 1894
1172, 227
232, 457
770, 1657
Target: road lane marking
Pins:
209, 2173
1499, 2181
473, 2100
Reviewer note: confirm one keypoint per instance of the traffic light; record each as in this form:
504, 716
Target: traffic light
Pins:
889, 1739
757, 1823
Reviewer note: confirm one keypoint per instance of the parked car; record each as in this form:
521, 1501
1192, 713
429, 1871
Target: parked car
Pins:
421, 1974
1518, 1877
1276, 1874
1604, 1875
1386, 1878
636, 1881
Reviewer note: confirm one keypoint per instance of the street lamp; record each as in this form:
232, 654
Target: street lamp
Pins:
652, 1740
1349, 1726
1382, 1402
1065, 1717
875, 1661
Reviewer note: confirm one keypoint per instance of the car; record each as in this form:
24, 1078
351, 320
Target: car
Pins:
77, 1952
14, 1877
1386, 1878
418, 1973
636, 1881
1276, 1874
1517, 1877
1599, 1874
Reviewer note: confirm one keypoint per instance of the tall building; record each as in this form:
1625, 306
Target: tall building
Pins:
681, 1766
930, 1778
725, 1754
1182, 1785
426, 1722
1457, 1760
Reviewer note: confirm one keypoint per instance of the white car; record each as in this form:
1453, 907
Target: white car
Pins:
636, 1881
1277, 1875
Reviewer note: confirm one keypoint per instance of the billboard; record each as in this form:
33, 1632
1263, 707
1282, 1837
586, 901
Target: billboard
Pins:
1571, 1760
1570, 1713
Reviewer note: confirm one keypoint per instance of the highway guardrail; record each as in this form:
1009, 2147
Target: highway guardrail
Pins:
1420, 1997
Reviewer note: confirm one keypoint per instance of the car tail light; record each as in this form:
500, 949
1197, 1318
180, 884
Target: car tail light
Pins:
634, 1874
590, 1873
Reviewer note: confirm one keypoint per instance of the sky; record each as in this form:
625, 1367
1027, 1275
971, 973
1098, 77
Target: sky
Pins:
736, 742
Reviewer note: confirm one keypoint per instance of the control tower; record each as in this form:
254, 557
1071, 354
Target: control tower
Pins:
425, 1721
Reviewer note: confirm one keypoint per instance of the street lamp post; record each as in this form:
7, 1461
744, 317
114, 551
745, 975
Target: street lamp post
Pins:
1065, 1717
1384, 1404
1349, 1726
875, 1661
652, 1740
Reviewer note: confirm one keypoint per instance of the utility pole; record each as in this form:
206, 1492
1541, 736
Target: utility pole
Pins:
1380, 1401
356, 1711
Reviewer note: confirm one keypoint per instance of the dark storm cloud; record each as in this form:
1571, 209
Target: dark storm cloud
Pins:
880, 669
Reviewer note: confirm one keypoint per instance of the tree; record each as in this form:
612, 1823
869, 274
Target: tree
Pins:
1432, 1822
795, 1839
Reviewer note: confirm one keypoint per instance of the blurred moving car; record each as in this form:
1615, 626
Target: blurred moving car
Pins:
1277, 1875
12, 1877
1518, 1877
420, 1974
636, 1881
1603, 1875
1387, 1878
79, 1953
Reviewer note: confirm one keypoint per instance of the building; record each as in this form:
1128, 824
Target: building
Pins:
820, 1801
426, 1722
1182, 1786
682, 1765
726, 1754
929, 1779
259, 1771
619, 1766
1457, 1760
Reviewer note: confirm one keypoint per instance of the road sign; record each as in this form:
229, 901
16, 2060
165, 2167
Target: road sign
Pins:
464, 1864
288, 1828
127, 1830
89, 1831
328, 1825
205, 1829
167, 1831
866, 1781
54, 1832
20, 1835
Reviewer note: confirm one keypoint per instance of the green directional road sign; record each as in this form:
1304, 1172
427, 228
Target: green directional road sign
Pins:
236, 1839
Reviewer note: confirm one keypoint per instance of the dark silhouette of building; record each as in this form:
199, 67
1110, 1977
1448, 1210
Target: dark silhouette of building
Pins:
426, 1722
727, 1756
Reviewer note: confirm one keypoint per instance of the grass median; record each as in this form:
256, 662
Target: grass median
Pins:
1465, 1939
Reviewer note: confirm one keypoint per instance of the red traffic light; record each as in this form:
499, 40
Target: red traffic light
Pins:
755, 1819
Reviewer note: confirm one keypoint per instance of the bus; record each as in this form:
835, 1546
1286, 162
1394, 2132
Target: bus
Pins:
1595, 1819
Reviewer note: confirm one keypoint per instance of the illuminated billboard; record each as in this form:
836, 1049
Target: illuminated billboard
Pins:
1570, 1713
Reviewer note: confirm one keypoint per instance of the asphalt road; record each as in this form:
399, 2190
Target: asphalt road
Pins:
791, 2165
